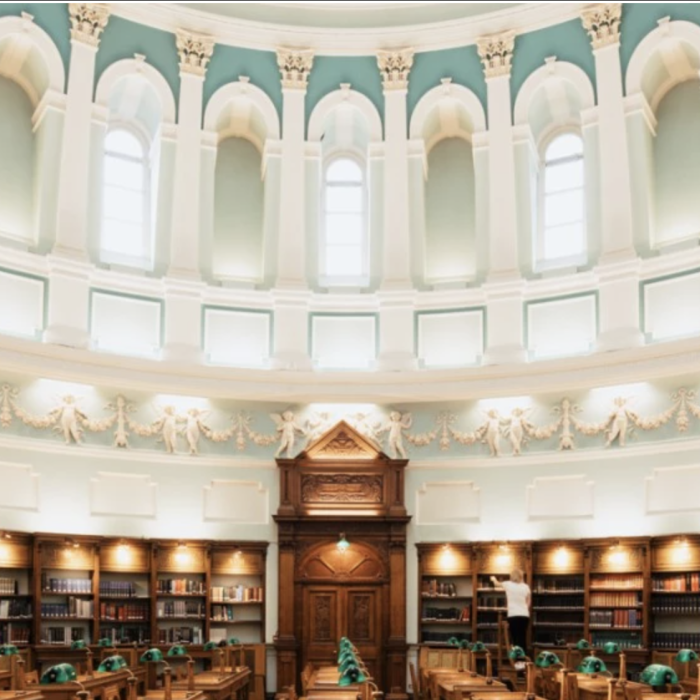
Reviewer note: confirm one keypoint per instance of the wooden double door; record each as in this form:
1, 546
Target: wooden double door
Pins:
333, 611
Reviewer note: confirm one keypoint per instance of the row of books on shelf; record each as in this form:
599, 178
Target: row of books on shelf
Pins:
613, 599
121, 589
459, 614
490, 601
432, 588
625, 640
179, 608
9, 586
559, 602
66, 585
14, 634
180, 586
624, 582
15, 608
62, 634
124, 611
676, 604
615, 618
675, 640
75, 607
237, 594
564, 584
123, 634
680, 582
190, 635
549, 618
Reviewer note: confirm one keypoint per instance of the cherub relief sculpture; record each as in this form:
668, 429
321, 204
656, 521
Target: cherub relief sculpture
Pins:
288, 429
492, 432
395, 426
193, 428
69, 417
517, 427
167, 426
618, 422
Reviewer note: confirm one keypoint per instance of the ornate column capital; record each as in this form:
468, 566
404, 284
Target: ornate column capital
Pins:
602, 22
295, 67
87, 20
394, 67
195, 51
496, 53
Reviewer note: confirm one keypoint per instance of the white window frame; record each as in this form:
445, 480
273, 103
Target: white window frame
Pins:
145, 260
543, 264
362, 280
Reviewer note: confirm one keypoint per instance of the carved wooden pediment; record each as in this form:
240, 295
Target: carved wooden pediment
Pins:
342, 441
325, 562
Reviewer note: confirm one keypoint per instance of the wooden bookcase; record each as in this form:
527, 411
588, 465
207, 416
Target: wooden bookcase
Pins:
17, 602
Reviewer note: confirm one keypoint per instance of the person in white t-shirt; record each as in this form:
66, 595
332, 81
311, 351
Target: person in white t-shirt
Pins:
518, 600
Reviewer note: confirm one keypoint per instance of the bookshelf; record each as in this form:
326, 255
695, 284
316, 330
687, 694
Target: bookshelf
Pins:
65, 588
558, 594
180, 581
446, 592
16, 591
675, 593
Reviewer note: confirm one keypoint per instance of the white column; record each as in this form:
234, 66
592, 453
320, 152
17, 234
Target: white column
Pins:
295, 67
602, 22
394, 67
182, 337
504, 287
291, 329
87, 22
68, 308
195, 51
496, 53
618, 270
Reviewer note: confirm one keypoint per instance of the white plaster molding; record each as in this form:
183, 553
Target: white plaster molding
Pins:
135, 67
24, 26
445, 502
195, 51
602, 22
394, 67
51, 101
124, 495
295, 66
345, 41
245, 91
672, 490
20, 487
88, 21
556, 70
496, 53
244, 502
317, 120
560, 498
638, 104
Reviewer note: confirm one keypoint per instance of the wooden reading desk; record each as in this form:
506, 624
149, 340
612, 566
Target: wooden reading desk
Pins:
220, 686
21, 695
323, 685
107, 685
453, 687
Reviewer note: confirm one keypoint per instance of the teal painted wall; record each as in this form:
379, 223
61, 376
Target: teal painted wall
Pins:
329, 71
638, 19
16, 161
567, 41
461, 64
238, 211
51, 17
122, 39
449, 212
677, 164
229, 62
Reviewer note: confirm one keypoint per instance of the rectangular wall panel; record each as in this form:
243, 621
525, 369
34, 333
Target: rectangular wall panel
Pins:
561, 327
21, 305
670, 307
129, 495
236, 501
237, 338
554, 498
344, 341
125, 325
451, 338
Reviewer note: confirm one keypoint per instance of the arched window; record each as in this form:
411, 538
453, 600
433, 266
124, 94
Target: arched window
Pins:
126, 220
344, 242
562, 219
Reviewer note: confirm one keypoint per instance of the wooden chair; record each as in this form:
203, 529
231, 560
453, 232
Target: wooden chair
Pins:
415, 682
31, 677
111, 692
511, 671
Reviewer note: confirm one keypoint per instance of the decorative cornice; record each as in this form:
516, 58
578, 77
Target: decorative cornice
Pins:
195, 51
496, 53
295, 67
394, 67
88, 21
602, 22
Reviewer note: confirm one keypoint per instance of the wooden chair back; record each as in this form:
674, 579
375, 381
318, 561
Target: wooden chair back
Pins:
111, 692
31, 677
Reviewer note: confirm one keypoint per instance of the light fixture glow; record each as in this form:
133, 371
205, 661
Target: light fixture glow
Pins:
561, 557
343, 544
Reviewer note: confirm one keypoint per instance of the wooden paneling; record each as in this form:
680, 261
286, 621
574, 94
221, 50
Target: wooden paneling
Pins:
237, 561
176, 560
445, 560
617, 558
502, 558
557, 559
55, 555
14, 554
126, 557
676, 554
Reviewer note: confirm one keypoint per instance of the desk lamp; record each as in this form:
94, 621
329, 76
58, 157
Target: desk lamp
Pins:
545, 659
112, 663
60, 673
658, 675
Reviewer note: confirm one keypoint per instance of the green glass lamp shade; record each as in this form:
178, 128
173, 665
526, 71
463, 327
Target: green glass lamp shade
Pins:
211, 646
517, 653
223, 643
352, 675
104, 642
611, 648
153, 655
112, 663
545, 659
177, 650
8, 650
658, 674
78, 644
452, 642
478, 646
233, 641
347, 663
686, 655
583, 644
61, 673
464, 644
592, 664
